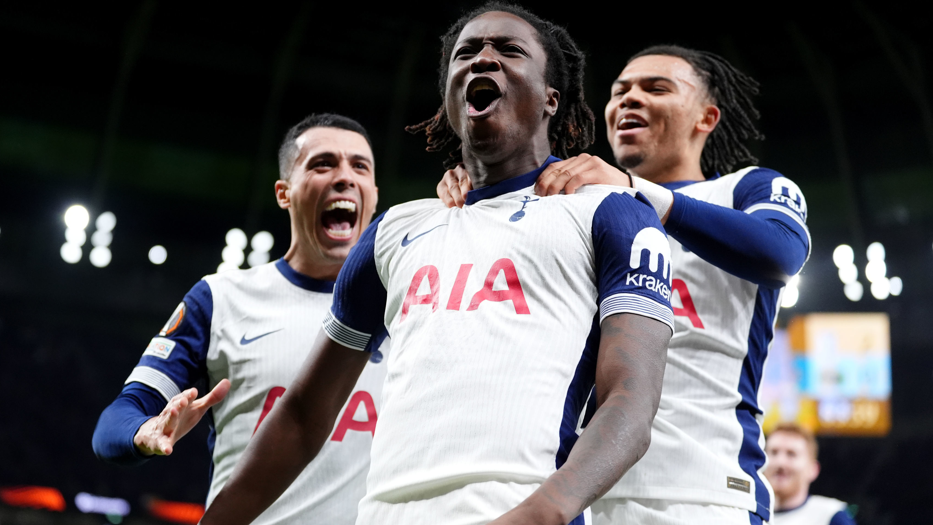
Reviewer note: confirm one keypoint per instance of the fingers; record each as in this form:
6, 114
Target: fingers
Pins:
214, 396
443, 192
555, 177
465, 183
569, 175
453, 187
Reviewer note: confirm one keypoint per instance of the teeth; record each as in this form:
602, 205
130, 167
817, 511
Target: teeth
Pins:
343, 205
627, 120
340, 233
480, 87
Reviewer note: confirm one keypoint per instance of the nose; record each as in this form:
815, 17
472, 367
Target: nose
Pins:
344, 177
632, 99
485, 60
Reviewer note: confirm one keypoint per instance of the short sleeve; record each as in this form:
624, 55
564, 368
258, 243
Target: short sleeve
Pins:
175, 359
633, 259
357, 316
842, 518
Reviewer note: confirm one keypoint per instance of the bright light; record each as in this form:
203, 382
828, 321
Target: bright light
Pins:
106, 221
897, 286
232, 255
75, 236
88, 503
875, 270
101, 238
875, 251
71, 253
262, 242
789, 299
854, 291
77, 217
257, 258
157, 254
848, 273
843, 255
236, 238
880, 289
225, 266
100, 256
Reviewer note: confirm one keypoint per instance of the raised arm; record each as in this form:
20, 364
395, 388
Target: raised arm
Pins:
292, 434
629, 373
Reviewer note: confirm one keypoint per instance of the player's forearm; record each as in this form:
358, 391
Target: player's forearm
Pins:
118, 423
765, 252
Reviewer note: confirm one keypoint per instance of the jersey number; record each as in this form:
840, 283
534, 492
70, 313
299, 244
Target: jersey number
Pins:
346, 420
688, 310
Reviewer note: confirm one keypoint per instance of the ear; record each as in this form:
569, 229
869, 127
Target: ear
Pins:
552, 102
283, 194
709, 119
814, 471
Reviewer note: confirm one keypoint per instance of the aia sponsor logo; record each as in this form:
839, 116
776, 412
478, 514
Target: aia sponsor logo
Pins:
784, 191
513, 291
346, 422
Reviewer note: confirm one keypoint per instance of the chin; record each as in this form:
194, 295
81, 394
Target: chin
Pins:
631, 160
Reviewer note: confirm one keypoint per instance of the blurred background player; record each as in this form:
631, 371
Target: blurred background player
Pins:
792, 467
494, 312
678, 117
247, 332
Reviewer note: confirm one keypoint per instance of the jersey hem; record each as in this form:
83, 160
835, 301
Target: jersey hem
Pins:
635, 304
343, 334
680, 495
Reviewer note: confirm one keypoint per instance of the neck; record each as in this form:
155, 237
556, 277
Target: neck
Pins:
679, 170
793, 501
488, 169
308, 261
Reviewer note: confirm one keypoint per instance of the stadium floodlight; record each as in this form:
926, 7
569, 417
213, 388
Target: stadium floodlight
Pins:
848, 273
77, 217
876, 270
257, 258
236, 238
789, 299
262, 241
75, 236
106, 221
91, 504
233, 255
854, 291
100, 256
71, 253
881, 289
896, 285
157, 254
101, 238
843, 255
875, 252
225, 266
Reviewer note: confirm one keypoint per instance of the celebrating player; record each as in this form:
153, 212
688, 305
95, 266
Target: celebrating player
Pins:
494, 311
676, 116
246, 332
792, 467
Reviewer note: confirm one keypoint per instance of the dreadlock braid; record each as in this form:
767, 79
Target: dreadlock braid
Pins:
732, 91
571, 128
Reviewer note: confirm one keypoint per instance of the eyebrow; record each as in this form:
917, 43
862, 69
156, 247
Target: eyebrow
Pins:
497, 39
332, 155
644, 79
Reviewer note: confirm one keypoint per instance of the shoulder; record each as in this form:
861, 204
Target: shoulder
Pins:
413, 209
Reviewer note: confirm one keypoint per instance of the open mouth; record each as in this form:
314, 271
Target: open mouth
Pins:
338, 219
482, 95
631, 122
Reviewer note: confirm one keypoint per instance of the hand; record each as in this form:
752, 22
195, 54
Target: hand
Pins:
568, 175
158, 435
453, 187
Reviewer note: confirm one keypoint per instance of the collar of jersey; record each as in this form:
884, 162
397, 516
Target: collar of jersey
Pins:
676, 185
508, 185
303, 281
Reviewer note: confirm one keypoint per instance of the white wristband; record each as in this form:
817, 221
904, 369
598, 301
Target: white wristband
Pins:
661, 198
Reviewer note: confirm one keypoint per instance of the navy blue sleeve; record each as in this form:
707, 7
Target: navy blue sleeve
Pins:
842, 518
113, 436
357, 315
763, 240
633, 259
176, 358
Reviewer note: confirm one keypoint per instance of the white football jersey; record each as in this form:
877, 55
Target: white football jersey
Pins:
494, 313
706, 443
255, 328
817, 510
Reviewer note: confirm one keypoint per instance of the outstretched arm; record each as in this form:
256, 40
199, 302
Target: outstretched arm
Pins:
292, 434
629, 373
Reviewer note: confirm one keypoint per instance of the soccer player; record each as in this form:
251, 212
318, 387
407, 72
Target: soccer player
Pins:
677, 117
245, 334
502, 314
792, 467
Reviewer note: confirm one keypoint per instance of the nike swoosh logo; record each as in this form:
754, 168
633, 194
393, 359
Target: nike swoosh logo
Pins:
406, 241
244, 341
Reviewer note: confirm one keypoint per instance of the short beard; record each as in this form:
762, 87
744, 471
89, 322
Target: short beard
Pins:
630, 162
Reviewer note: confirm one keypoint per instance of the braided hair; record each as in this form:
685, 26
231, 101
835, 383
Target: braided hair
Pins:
572, 127
732, 91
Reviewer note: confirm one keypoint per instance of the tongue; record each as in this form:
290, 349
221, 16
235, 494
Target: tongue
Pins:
335, 224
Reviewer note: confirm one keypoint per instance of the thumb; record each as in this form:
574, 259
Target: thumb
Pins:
216, 395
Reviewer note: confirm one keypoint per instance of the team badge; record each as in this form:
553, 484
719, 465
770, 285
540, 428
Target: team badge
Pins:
174, 321
160, 347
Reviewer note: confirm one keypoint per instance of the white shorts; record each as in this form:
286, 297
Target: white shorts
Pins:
474, 504
629, 511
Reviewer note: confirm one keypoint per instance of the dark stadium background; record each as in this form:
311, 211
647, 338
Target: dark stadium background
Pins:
169, 115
